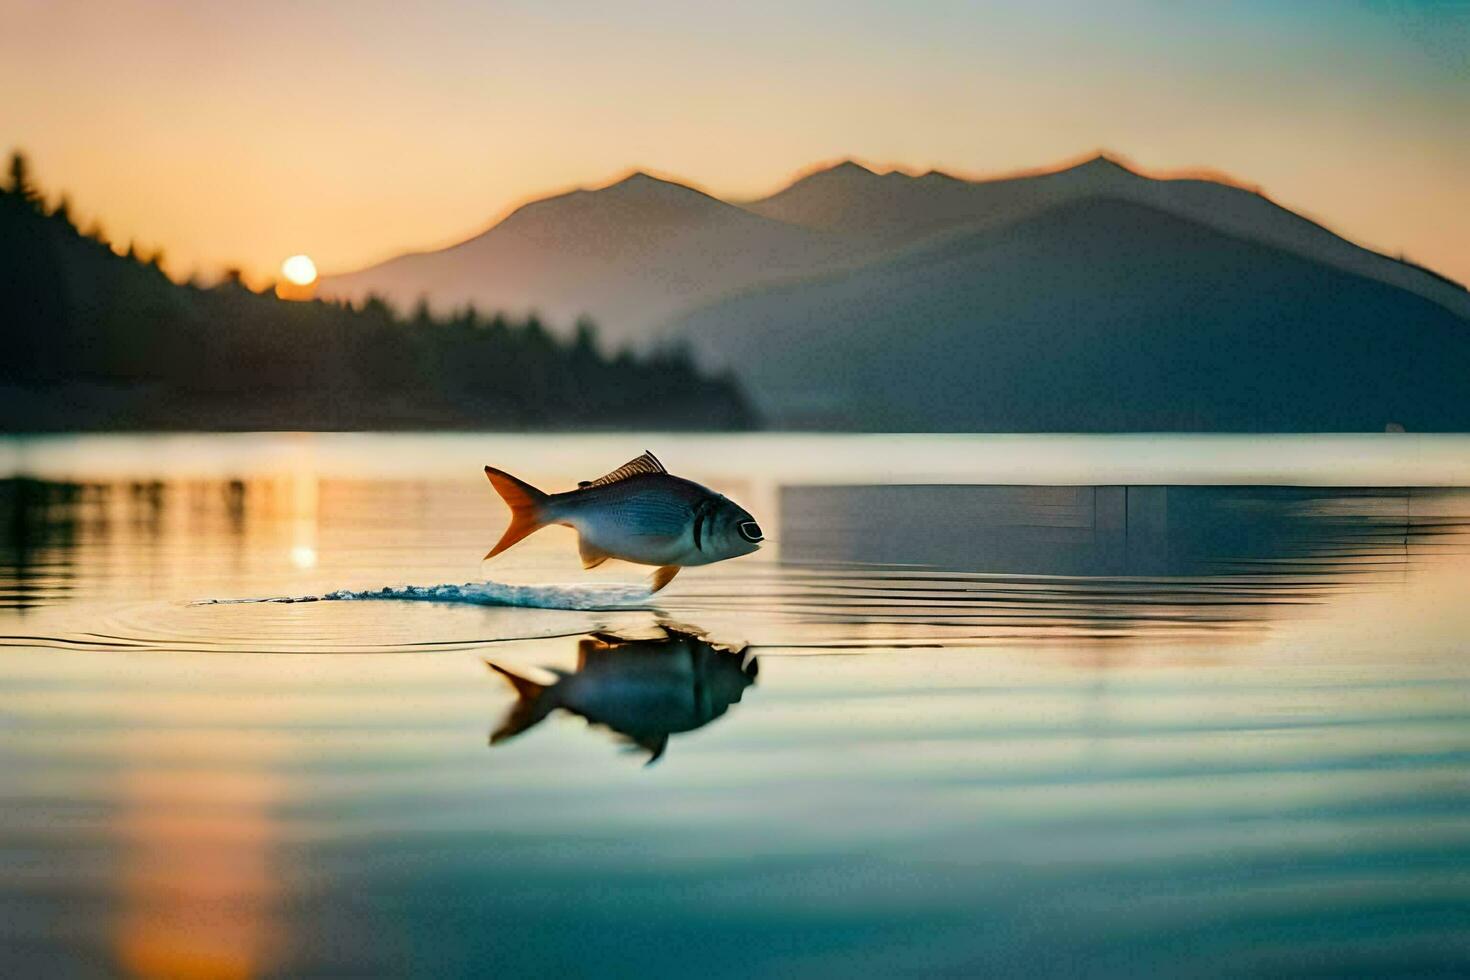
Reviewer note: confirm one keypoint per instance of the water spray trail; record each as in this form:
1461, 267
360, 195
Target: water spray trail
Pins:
573, 597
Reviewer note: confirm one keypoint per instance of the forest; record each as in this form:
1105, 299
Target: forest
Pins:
97, 338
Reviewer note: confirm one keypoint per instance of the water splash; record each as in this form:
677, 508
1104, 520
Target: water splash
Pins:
590, 598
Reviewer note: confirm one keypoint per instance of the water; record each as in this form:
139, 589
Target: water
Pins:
1018, 705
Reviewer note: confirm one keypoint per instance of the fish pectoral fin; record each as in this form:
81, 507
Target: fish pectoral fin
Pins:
654, 744
663, 577
592, 556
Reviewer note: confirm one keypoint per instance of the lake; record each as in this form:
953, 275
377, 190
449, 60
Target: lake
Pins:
1040, 705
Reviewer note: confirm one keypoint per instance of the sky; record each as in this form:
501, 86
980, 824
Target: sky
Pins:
234, 134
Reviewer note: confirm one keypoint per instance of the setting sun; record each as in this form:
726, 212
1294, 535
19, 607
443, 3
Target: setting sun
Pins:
299, 269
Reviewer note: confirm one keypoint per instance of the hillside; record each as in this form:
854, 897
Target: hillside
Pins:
1093, 315
96, 340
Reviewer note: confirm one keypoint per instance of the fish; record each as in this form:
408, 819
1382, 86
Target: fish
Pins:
638, 513
643, 690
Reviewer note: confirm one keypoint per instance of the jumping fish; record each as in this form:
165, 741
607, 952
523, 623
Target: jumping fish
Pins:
638, 513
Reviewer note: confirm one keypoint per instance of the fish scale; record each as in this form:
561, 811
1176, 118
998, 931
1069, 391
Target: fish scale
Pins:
646, 510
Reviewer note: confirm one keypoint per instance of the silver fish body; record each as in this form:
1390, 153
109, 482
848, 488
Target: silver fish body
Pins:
651, 519
637, 513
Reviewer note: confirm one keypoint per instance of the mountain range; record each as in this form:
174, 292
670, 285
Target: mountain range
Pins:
1088, 297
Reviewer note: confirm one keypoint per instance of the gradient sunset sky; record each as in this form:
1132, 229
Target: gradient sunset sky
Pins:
240, 133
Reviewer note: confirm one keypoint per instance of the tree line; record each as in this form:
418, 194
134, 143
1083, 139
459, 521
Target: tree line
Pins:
94, 339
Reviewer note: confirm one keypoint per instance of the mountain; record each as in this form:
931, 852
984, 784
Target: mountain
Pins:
1098, 313
893, 209
630, 255
1088, 297
643, 250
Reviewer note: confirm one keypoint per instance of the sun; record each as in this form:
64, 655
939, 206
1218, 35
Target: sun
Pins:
299, 269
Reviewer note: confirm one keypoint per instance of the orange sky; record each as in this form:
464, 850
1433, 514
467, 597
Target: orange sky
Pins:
243, 133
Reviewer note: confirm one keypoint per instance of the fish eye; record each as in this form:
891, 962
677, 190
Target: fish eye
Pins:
750, 531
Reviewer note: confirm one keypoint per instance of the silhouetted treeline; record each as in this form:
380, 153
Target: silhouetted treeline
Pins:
90, 339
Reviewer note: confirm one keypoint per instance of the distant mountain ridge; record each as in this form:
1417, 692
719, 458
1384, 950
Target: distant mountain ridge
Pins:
849, 198
630, 255
642, 250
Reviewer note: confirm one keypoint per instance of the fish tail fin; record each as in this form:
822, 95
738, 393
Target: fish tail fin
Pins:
531, 705
526, 504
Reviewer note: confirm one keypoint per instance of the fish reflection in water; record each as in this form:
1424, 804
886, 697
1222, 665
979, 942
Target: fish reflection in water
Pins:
644, 690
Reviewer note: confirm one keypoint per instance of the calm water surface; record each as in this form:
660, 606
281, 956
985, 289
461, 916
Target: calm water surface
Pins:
986, 705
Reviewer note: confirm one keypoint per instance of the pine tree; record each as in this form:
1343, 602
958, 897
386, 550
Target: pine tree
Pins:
62, 212
21, 184
585, 342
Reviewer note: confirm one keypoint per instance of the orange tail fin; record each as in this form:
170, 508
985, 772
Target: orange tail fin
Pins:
525, 503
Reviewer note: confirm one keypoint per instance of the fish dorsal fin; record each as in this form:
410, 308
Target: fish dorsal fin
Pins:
647, 463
